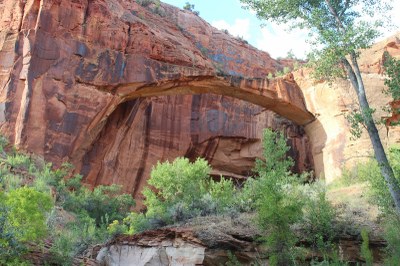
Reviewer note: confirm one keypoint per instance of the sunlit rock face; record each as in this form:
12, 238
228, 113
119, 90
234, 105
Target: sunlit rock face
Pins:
333, 147
115, 87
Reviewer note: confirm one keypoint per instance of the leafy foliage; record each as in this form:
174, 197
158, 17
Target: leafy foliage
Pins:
392, 81
392, 70
277, 200
392, 236
22, 220
381, 196
146, 3
369, 172
365, 252
182, 190
75, 237
153, 5
339, 29
28, 207
101, 202
334, 24
318, 218
190, 7
27, 213
10, 246
357, 121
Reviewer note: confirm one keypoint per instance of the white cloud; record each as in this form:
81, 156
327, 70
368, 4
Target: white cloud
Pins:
275, 40
241, 27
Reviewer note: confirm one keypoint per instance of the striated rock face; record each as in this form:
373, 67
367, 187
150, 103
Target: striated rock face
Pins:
332, 145
225, 131
114, 87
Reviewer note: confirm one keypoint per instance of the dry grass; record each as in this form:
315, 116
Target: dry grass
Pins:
355, 210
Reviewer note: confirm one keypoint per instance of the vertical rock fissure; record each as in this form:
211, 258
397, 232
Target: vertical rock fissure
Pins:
145, 154
194, 127
85, 16
22, 6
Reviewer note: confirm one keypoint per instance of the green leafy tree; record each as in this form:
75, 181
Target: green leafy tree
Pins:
392, 70
339, 30
318, 219
277, 200
27, 213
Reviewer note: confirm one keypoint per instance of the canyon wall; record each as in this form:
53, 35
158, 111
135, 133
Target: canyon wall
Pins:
114, 87
333, 146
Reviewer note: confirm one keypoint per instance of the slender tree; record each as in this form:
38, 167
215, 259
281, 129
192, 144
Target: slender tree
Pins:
338, 32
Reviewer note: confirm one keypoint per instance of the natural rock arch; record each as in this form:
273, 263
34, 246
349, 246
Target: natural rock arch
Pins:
282, 95
96, 158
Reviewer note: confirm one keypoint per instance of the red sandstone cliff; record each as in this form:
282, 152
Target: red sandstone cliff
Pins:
109, 84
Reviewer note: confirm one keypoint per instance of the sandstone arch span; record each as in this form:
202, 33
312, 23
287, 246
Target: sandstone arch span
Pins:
282, 96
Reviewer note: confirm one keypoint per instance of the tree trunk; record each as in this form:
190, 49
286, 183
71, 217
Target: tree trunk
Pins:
356, 80
380, 155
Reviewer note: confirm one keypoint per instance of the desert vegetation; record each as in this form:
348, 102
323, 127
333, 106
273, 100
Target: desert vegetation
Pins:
40, 205
295, 216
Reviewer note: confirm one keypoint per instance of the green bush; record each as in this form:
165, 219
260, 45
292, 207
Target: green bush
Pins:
190, 7
75, 237
392, 236
182, 190
3, 143
379, 194
27, 213
223, 193
27, 206
318, 218
365, 251
19, 160
10, 246
22, 219
179, 181
136, 222
99, 202
370, 173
